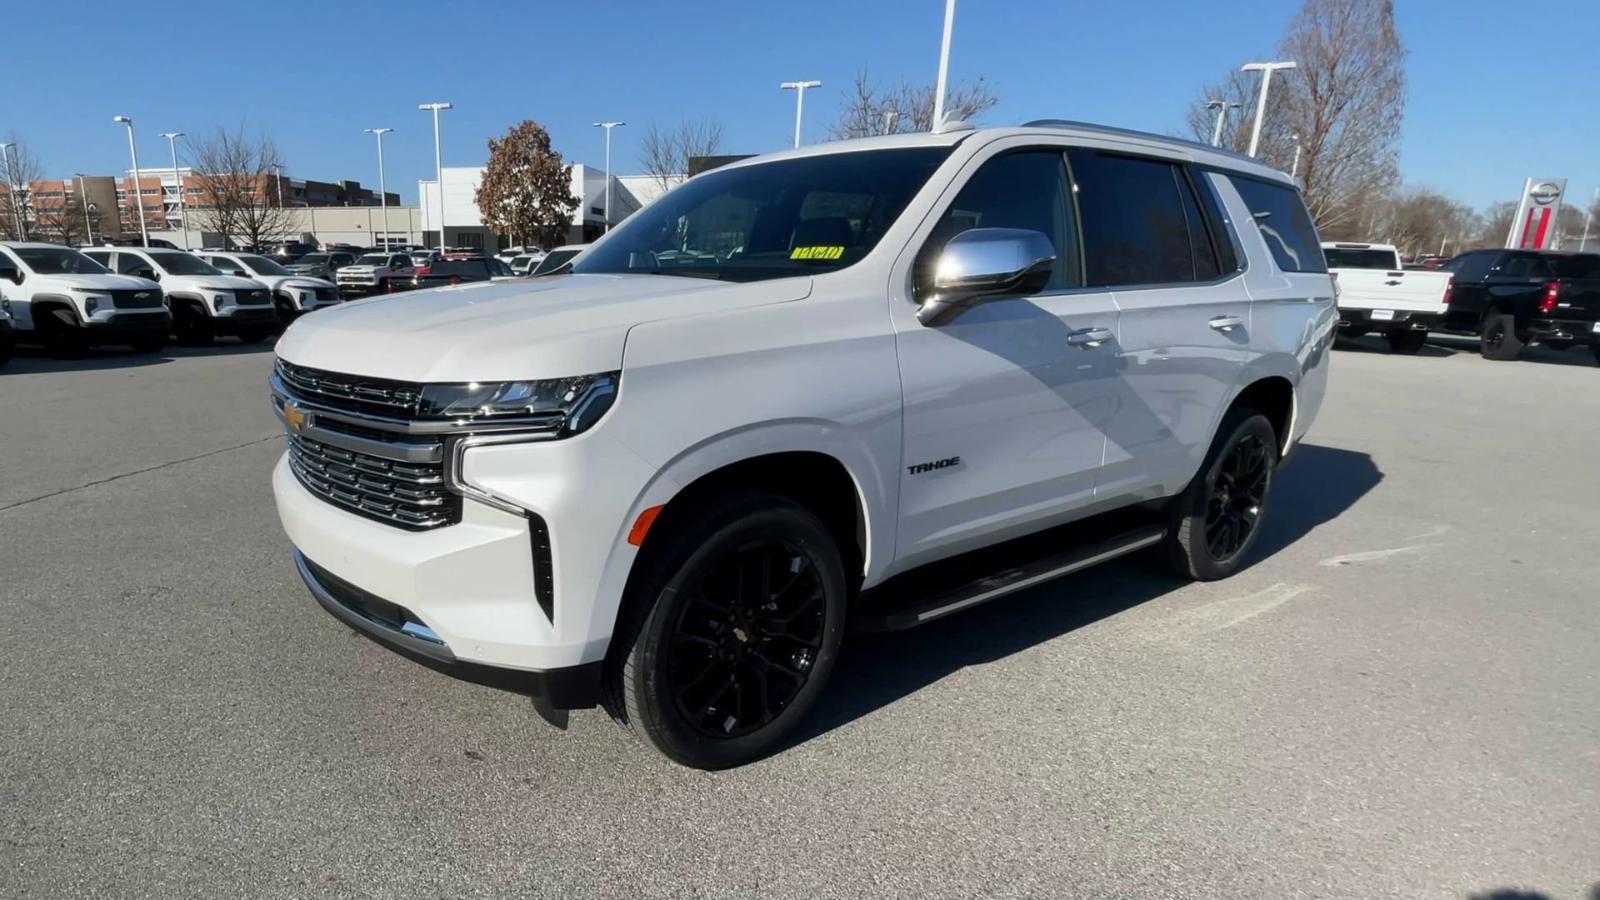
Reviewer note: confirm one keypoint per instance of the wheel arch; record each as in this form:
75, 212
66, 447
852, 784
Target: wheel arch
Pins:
46, 303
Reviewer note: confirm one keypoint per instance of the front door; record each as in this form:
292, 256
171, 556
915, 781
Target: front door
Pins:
1005, 410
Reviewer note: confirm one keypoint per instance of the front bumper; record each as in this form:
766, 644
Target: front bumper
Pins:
394, 627
128, 325
234, 319
1402, 320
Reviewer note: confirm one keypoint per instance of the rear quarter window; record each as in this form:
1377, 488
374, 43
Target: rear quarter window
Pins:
1280, 215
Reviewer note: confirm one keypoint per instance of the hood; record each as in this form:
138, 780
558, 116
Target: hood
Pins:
213, 282
277, 283
103, 282
507, 330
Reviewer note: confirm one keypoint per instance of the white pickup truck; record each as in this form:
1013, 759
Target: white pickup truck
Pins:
1377, 293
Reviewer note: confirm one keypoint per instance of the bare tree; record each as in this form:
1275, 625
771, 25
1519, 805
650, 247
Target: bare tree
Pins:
873, 109
17, 196
240, 194
1418, 221
526, 190
61, 221
1495, 224
1345, 101
665, 152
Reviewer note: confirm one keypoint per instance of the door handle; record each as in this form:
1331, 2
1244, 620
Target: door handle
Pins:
1225, 323
1089, 337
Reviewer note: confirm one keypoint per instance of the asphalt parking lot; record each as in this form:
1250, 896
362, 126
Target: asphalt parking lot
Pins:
1401, 698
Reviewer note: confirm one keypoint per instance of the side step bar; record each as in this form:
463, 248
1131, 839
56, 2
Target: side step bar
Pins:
913, 612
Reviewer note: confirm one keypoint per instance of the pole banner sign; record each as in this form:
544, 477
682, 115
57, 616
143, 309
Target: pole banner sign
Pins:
1534, 225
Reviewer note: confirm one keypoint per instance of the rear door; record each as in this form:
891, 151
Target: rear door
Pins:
1185, 317
1579, 296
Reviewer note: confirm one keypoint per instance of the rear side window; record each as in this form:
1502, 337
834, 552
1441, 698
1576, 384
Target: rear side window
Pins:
1284, 223
1579, 265
1525, 265
1141, 224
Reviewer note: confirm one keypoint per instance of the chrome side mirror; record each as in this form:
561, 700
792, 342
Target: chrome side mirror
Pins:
982, 264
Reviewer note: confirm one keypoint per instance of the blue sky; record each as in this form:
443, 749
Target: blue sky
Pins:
1481, 115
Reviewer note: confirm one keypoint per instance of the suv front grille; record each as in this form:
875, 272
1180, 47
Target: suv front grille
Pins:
146, 299
327, 293
353, 393
250, 298
410, 495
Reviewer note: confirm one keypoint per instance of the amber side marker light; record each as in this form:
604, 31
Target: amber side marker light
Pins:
642, 525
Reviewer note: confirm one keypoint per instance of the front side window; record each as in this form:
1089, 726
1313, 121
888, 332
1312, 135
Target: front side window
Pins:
59, 261
129, 264
771, 220
175, 262
1025, 189
1285, 225
1137, 221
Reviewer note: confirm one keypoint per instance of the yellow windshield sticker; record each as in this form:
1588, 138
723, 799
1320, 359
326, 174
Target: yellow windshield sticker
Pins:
816, 253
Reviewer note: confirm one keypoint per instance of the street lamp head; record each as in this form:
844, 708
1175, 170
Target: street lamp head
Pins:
799, 85
172, 135
443, 104
609, 124
378, 131
1267, 66
126, 120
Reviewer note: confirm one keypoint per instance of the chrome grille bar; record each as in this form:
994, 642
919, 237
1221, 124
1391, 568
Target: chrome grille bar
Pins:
404, 494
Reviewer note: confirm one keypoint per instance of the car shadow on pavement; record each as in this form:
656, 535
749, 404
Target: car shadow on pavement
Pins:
875, 670
1446, 345
30, 359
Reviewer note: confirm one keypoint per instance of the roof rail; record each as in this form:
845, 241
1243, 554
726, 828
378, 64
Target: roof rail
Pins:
1130, 132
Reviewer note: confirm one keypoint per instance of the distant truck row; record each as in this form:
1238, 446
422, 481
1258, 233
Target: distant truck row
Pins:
1509, 299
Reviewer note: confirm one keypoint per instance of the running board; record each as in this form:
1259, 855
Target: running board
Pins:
1009, 580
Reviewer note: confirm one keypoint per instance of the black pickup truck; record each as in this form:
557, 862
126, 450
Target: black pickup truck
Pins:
1514, 298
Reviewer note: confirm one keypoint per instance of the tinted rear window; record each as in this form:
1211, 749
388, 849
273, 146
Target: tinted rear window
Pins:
1581, 265
1284, 224
1344, 258
1141, 224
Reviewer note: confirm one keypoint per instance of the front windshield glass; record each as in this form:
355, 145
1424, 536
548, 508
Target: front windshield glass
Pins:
553, 260
263, 266
771, 220
175, 262
373, 259
59, 261
312, 259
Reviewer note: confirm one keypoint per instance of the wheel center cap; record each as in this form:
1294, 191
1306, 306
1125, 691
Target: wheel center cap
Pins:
741, 634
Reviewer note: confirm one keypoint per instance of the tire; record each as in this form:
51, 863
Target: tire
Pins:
7, 343
191, 328
1499, 337
253, 335
285, 310
61, 336
1215, 522
148, 344
1408, 343
677, 638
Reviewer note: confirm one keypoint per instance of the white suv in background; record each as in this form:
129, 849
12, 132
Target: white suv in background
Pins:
376, 273
204, 302
292, 295
66, 301
867, 383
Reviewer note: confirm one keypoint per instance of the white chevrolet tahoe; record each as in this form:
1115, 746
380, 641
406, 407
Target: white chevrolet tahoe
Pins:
205, 303
1377, 293
862, 384
66, 301
292, 295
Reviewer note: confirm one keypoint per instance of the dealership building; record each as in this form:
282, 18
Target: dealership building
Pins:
463, 225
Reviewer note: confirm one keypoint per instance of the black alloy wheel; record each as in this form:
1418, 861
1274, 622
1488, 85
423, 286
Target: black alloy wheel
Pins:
748, 638
1238, 493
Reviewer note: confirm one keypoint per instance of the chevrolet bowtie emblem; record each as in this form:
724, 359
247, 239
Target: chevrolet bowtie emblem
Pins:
294, 417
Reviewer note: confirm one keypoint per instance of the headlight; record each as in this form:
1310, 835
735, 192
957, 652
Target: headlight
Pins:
218, 300
569, 405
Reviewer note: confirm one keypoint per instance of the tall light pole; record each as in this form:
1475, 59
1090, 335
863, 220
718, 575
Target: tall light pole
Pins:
11, 185
183, 216
1266, 69
799, 88
944, 64
888, 120
138, 188
1588, 217
438, 160
383, 192
83, 197
1221, 106
608, 126
1294, 169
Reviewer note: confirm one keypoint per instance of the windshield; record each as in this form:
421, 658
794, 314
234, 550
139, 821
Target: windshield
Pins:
312, 259
59, 261
175, 262
263, 266
373, 259
770, 220
553, 260
1349, 258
